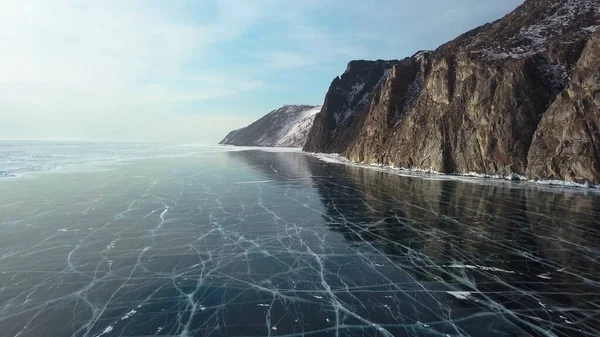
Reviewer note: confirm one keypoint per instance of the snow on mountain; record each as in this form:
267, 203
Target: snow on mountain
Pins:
295, 132
356, 85
287, 126
542, 24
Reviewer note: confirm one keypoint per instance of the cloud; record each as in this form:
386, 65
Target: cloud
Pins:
153, 69
285, 59
88, 60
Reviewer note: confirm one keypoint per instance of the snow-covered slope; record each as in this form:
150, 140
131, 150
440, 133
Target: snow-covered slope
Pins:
287, 126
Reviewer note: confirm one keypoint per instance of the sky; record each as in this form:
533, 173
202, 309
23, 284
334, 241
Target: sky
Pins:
190, 71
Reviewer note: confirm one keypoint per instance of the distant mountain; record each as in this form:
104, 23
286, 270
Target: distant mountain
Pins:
518, 96
287, 126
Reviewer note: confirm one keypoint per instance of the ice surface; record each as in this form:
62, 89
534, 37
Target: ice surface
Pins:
20, 158
259, 243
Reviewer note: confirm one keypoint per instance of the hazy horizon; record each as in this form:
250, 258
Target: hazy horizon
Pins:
187, 72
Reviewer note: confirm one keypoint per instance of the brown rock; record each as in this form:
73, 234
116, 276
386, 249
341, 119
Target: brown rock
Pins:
566, 145
474, 104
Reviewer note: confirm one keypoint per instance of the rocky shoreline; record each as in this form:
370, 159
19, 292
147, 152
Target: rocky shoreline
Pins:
472, 176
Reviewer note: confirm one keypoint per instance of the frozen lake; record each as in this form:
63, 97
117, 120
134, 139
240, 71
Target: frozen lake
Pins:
257, 243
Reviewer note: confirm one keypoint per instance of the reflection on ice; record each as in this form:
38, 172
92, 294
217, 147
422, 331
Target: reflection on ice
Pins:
258, 243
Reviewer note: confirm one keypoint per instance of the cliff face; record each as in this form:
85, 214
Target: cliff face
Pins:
566, 144
517, 96
287, 126
346, 95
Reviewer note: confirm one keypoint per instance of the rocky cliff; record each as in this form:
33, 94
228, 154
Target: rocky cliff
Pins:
517, 96
287, 126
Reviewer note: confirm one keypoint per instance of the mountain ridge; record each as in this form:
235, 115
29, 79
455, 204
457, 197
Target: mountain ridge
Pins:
481, 102
287, 126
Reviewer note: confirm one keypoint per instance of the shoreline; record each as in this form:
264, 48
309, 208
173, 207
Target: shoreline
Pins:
469, 177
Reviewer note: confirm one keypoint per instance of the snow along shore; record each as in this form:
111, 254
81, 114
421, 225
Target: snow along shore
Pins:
427, 173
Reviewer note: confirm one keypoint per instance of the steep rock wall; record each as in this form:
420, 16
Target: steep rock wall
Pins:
475, 103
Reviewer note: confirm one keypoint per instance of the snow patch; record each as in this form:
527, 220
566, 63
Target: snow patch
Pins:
416, 172
545, 276
564, 183
461, 295
421, 54
111, 245
469, 266
297, 130
557, 75
105, 331
511, 176
533, 39
414, 90
334, 158
129, 314
355, 90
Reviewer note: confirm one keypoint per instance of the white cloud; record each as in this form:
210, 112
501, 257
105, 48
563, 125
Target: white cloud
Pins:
78, 62
153, 69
